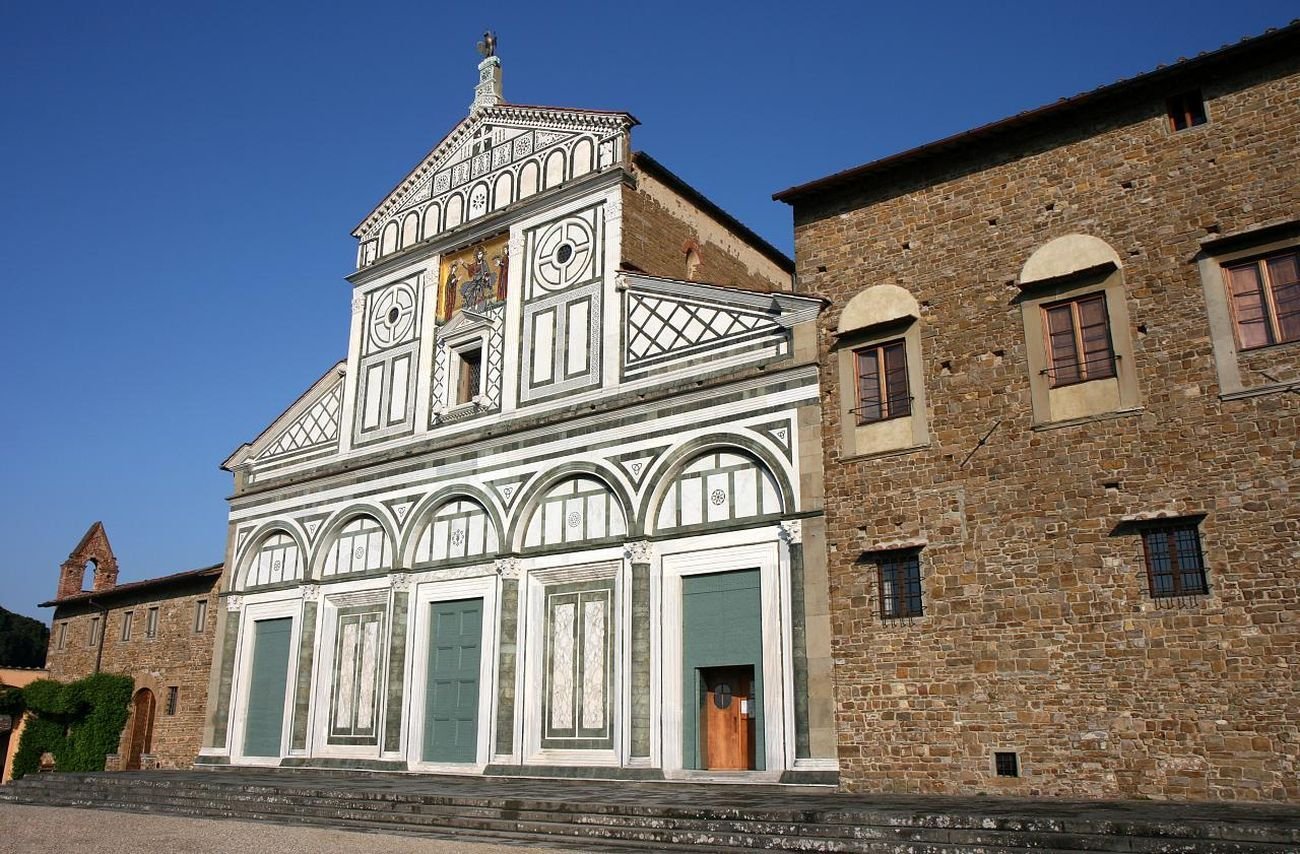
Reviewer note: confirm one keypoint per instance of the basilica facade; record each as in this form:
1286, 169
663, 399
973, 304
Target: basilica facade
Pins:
558, 511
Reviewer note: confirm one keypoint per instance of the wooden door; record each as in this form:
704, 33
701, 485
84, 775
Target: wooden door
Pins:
141, 729
727, 718
452, 682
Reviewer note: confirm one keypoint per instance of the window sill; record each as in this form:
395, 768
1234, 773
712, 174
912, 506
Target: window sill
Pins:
891, 452
1260, 391
1089, 419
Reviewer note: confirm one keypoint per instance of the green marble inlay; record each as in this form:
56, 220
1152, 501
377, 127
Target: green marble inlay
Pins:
506, 656
396, 672
228, 642
302, 694
799, 643
640, 659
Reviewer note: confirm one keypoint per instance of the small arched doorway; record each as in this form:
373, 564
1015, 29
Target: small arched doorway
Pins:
141, 728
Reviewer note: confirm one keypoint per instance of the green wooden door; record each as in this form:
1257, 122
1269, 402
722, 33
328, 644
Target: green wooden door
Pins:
264, 724
451, 687
722, 626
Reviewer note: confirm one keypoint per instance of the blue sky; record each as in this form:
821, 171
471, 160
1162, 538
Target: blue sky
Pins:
178, 182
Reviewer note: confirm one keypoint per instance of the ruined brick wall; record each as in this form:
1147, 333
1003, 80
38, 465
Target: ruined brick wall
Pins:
659, 226
1039, 633
178, 656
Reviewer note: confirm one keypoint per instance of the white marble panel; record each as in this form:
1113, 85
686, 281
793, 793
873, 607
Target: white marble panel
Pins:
374, 394
543, 355
593, 664
597, 523
369, 675
717, 497
562, 666
577, 337
746, 497
346, 669
397, 399
692, 510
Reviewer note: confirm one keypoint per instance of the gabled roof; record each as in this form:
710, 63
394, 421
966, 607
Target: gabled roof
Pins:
1247, 53
283, 420
177, 579
504, 114
644, 161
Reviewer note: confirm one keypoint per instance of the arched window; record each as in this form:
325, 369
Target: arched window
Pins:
362, 546
719, 486
460, 528
275, 560
575, 510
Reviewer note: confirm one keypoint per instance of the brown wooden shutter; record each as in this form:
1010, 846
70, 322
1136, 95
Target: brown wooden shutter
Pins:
900, 401
868, 386
1284, 274
1248, 306
1094, 332
1060, 333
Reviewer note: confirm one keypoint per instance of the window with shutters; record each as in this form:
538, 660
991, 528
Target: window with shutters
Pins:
1264, 294
151, 623
1186, 110
879, 370
1078, 340
882, 386
127, 618
469, 379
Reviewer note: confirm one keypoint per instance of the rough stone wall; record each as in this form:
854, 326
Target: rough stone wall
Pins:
1039, 633
659, 226
177, 656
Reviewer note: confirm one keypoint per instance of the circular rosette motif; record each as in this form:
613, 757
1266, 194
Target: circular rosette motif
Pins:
564, 254
393, 316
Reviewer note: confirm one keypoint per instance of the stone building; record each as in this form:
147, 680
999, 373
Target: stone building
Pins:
558, 512
1061, 392
159, 631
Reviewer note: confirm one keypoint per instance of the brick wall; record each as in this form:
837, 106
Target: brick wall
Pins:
659, 226
177, 656
1039, 633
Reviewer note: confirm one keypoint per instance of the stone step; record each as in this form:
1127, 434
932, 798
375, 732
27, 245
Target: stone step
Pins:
582, 842
828, 827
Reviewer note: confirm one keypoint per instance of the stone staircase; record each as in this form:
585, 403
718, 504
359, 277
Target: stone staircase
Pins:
622, 816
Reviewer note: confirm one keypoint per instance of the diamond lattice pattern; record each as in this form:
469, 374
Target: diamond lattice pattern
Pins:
319, 425
658, 326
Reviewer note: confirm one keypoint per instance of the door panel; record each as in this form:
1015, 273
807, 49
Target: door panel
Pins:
452, 684
265, 720
727, 718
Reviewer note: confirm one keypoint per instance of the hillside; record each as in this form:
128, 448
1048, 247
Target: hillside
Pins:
22, 640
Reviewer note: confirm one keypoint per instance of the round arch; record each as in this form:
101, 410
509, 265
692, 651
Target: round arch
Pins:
671, 465
253, 545
340, 519
431, 503
529, 501
1069, 253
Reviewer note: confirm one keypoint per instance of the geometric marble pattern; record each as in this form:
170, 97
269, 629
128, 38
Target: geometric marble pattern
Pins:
319, 425
719, 487
658, 325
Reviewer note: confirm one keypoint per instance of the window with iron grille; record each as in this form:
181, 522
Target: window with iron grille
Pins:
882, 382
1186, 110
1078, 340
1006, 763
173, 694
1265, 297
470, 379
900, 584
1175, 563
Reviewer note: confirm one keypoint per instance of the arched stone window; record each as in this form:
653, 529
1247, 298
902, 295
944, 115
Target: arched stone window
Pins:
276, 559
573, 511
719, 486
881, 380
361, 546
460, 528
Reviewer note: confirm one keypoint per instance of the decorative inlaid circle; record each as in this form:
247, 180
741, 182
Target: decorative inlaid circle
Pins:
359, 552
457, 536
575, 519
717, 497
393, 316
564, 254
722, 695
275, 565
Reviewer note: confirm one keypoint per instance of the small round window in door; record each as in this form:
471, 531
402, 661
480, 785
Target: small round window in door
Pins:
722, 695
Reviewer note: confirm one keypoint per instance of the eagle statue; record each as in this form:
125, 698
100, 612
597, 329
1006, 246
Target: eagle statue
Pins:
488, 47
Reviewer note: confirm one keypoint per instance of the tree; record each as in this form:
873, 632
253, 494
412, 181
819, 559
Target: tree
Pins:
22, 640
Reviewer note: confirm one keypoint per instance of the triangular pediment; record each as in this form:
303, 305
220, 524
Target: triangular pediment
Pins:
502, 139
308, 427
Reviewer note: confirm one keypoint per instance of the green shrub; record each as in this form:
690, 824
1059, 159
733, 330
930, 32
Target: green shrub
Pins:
79, 722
